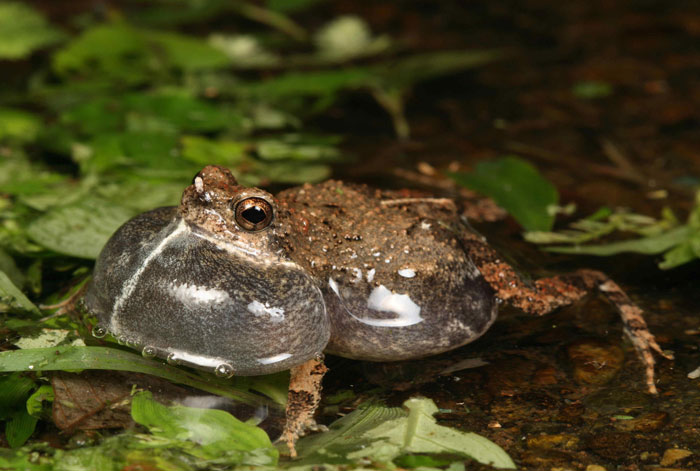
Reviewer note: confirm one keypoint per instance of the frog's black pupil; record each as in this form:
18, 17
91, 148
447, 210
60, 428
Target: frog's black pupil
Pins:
254, 214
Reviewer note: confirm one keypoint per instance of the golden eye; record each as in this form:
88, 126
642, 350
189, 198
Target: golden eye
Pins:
253, 214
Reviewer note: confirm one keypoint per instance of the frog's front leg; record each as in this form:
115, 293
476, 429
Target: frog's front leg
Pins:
302, 401
547, 294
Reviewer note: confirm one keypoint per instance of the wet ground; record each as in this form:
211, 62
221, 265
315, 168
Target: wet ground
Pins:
564, 391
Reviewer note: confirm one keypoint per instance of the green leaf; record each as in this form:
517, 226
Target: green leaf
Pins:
14, 390
19, 176
35, 403
419, 433
176, 111
63, 358
18, 125
346, 434
279, 149
382, 434
592, 89
96, 116
647, 245
187, 53
290, 6
23, 30
312, 83
203, 151
415, 461
111, 50
156, 152
517, 187
12, 298
79, 230
678, 255
8, 266
405, 72
19, 427
215, 431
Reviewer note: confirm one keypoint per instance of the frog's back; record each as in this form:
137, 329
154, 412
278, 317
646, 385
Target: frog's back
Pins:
395, 278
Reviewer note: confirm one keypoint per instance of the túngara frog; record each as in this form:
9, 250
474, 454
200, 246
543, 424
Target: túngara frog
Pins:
241, 282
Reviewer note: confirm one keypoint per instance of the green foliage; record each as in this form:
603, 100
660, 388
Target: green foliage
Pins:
590, 90
23, 30
19, 425
12, 298
79, 230
205, 433
517, 187
679, 243
383, 435
72, 358
18, 125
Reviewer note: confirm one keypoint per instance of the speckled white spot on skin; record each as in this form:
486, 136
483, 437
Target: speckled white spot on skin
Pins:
199, 184
377, 254
257, 308
274, 358
358, 275
370, 275
334, 286
472, 271
381, 299
425, 225
407, 272
188, 294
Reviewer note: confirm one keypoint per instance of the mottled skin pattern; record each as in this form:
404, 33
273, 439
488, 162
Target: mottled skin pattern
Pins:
355, 241
358, 272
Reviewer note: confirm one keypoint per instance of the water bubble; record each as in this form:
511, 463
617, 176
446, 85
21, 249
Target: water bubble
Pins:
122, 340
98, 331
172, 359
148, 351
224, 370
319, 356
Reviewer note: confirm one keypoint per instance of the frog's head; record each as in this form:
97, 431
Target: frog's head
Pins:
207, 286
216, 204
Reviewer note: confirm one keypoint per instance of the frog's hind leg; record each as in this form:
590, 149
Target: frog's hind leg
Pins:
547, 294
302, 401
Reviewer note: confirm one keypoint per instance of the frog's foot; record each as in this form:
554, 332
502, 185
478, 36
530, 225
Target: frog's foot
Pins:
547, 294
635, 327
303, 400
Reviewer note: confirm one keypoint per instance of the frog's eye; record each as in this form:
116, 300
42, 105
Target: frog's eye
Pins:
253, 214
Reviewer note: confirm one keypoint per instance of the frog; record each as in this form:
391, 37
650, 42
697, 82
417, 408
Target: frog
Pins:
238, 281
